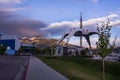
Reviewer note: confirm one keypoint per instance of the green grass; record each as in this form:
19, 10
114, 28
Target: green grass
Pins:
75, 68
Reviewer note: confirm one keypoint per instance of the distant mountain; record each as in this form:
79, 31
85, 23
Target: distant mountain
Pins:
41, 42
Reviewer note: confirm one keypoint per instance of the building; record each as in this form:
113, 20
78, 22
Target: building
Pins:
70, 50
117, 50
11, 41
27, 49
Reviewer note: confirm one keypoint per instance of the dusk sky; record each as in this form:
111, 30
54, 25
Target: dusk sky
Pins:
53, 18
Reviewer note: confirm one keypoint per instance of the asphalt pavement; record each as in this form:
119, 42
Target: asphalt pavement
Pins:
26, 68
10, 66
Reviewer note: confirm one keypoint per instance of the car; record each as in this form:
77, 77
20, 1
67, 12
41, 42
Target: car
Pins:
119, 58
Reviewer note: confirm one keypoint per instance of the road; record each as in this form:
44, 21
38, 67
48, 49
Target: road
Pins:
10, 65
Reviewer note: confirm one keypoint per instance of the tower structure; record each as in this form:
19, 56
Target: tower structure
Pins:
81, 25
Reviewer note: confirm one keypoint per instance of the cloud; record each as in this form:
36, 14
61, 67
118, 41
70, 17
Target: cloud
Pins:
11, 1
64, 26
59, 28
118, 42
93, 40
76, 41
116, 23
95, 1
11, 23
12, 9
11, 5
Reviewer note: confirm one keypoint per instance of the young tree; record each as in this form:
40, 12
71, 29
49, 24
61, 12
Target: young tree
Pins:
103, 44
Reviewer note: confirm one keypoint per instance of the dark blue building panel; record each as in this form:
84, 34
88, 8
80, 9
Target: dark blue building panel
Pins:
8, 42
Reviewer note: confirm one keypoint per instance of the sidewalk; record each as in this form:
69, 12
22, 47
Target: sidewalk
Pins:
37, 70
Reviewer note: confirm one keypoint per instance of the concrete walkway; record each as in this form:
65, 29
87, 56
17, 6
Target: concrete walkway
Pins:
37, 70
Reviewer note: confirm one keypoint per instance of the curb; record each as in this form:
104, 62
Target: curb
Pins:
25, 70
21, 74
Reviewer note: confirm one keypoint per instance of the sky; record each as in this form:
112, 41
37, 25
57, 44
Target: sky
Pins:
53, 18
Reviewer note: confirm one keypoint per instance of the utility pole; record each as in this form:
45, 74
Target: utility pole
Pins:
81, 29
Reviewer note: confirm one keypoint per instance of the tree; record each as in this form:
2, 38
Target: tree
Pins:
47, 51
103, 44
2, 49
36, 51
83, 52
20, 50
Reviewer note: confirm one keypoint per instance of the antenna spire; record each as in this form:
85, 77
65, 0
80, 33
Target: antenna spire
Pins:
80, 20
81, 29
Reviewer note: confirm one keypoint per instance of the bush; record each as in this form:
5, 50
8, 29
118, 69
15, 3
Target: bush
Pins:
2, 49
83, 52
48, 51
37, 51
19, 51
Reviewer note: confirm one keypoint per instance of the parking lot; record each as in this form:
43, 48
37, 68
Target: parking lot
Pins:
109, 58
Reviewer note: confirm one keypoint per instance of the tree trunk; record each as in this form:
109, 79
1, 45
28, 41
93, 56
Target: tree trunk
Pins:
103, 68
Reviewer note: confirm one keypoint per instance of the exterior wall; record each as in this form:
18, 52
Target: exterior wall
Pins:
117, 50
12, 41
17, 44
59, 51
68, 50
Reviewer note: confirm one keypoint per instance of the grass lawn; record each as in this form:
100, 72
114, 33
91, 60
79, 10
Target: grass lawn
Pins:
75, 68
